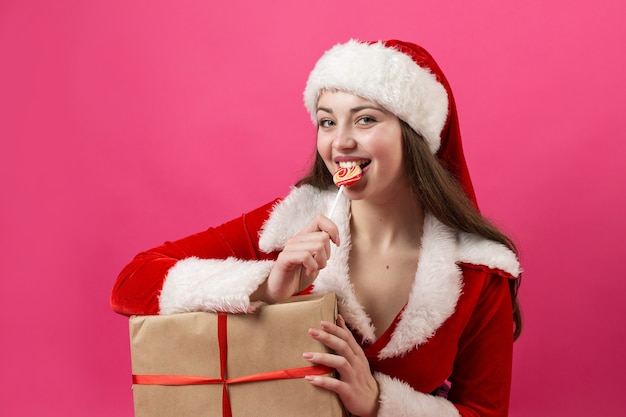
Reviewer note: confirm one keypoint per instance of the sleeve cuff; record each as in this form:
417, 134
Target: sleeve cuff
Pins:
398, 399
216, 285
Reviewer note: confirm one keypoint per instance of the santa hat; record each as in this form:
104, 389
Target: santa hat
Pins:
404, 79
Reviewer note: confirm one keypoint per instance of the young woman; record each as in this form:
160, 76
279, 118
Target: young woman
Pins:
427, 287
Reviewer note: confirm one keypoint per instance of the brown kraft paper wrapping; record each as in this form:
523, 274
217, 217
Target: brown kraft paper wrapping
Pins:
271, 339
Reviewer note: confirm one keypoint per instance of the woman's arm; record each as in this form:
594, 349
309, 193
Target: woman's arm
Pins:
180, 276
481, 380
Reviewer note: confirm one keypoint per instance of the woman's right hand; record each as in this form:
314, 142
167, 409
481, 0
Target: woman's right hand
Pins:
303, 256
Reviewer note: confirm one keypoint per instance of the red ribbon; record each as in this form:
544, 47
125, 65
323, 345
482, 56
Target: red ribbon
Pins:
201, 380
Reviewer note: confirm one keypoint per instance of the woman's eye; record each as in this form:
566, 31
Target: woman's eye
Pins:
325, 123
366, 120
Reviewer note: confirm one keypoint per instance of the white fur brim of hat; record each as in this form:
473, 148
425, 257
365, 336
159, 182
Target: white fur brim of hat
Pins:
385, 76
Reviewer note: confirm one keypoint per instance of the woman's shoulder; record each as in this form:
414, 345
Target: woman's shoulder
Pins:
478, 253
251, 220
291, 214
280, 206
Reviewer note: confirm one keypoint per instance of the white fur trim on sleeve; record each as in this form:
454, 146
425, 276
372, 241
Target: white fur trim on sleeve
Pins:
218, 285
398, 399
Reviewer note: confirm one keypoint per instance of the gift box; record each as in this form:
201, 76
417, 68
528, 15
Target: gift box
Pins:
240, 365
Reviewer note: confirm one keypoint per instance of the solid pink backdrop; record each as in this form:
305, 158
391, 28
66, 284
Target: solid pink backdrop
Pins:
124, 124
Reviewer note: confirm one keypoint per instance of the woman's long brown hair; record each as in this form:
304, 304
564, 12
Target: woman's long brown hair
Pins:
440, 194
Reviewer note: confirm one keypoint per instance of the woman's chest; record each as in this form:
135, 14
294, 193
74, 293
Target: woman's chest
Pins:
382, 283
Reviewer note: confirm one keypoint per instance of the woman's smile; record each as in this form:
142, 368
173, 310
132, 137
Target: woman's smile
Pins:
356, 131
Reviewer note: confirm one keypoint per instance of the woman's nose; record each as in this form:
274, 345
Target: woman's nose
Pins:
344, 139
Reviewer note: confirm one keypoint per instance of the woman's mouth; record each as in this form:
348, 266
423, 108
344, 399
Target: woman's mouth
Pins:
361, 163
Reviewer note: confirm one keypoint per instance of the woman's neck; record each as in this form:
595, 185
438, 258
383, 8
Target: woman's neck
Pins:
386, 225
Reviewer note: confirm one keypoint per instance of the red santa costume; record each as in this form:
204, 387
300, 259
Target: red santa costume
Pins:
457, 323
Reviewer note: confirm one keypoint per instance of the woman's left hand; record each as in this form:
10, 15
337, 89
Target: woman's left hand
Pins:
356, 386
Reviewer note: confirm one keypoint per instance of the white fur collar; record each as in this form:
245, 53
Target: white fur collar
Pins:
438, 281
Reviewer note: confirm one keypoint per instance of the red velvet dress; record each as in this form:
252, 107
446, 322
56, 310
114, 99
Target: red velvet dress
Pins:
457, 325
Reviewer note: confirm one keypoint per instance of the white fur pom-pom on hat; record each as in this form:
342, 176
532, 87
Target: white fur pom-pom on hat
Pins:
384, 74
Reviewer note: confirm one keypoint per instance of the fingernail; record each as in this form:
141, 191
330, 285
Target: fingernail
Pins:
325, 325
307, 356
309, 378
314, 332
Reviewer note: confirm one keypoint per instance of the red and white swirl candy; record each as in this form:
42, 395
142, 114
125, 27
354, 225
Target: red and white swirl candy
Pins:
347, 175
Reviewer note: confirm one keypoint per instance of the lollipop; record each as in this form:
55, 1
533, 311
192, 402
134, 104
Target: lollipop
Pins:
345, 177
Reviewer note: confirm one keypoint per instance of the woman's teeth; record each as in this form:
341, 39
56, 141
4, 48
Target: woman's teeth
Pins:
348, 164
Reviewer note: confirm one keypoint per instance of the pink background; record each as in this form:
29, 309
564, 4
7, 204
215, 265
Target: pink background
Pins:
125, 123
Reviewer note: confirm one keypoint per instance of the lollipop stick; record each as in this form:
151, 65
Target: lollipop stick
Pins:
344, 177
332, 209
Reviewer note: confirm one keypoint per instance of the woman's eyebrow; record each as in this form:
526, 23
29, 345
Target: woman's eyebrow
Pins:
365, 107
354, 109
327, 110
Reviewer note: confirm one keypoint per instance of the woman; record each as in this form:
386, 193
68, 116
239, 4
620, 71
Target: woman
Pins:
426, 286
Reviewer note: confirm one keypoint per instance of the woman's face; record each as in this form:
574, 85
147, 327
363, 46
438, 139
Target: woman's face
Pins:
353, 130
